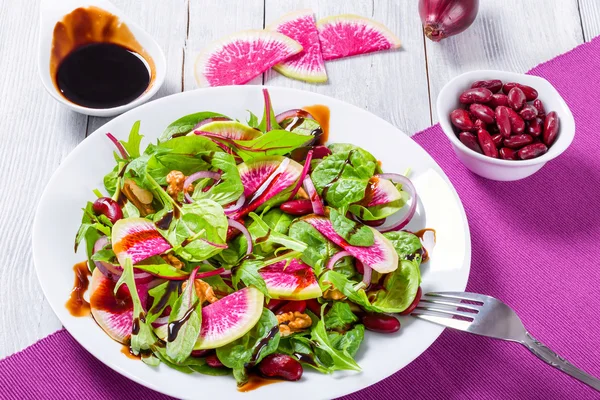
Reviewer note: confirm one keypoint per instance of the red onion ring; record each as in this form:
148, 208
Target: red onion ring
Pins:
161, 321
336, 257
240, 227
118, 144
294, 112
194, 177
209, 120
240, 202
302, 174
407, 186
314, 196
227, 272
367, 275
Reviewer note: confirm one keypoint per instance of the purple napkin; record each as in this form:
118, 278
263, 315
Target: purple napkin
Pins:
535, 246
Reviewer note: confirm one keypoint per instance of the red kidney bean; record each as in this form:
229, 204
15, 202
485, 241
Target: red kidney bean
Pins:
482, 112
517, 141
320, 152
414, 304
532, 151
292, 306
498, 140
551, 125
516, 122
381, 323
508, 154
516, 98
314, 306
213, 361
201, 353
479, 124
477, 95
461, 120
493, 85
280, 366
109, 208
297, 207
503, 120
528, 112
537, 103
486, 143
534, 127
492, 129
529, 92
498, 99
274, 304
470, 140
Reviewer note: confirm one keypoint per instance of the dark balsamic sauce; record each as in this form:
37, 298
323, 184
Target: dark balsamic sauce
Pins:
162, 302
165, 222
261, 345
76, 304
175, 326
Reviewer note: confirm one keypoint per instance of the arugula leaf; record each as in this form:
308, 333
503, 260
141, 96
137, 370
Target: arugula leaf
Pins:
377, 212
342, 360
90, 230
347, 287
350, 341
132, 145
405, 243
355, 233
144, 337
186, 124
305, 351
248, 274
235, 251
186, 316
105, 255
230, 186
399, 288
249, 350
261, 231
170, 289
318, 248
339, 317
275, 142
345, 175
252, 120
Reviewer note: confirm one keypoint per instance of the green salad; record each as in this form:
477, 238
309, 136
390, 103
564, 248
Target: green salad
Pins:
249, 248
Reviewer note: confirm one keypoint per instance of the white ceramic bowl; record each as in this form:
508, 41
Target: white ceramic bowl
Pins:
498, 169
52, 11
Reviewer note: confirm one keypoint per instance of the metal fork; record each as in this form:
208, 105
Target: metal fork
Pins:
486, 316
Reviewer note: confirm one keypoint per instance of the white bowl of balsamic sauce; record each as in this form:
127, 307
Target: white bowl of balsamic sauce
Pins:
95, 61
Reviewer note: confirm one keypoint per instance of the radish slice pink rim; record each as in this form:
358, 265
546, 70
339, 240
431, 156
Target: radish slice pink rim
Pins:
295, 112
239, 204
240, 227
335, 258
194, 177
209, 120
314, 196
407, 186
367, 275
118, 144
302, 174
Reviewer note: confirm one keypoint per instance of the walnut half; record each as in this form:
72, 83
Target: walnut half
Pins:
293, 321
203, 290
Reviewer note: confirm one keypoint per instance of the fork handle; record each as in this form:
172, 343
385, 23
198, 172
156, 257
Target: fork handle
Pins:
550, 357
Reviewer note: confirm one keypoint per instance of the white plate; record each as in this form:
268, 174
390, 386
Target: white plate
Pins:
59, 214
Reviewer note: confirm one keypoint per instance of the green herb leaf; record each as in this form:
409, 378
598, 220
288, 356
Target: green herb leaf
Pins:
355, 233
165, 271
342, 360
252, 120
268, 110
264, 234
318, 248
132, 145
275, 142
248, 274
230, 186
350, 341
399, 288
170, 289
339, 317
186, 124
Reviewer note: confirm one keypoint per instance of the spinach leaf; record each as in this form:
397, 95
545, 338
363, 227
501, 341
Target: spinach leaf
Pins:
353, 232
110, 180
250, 349
186, 316
318, 248
342, 360
306, 351
144, 338
230, 186
186, 124
405, 243
275, 142
347, 287
342, 178
399, 288
350, 341
264, 234
132, 145
339, 317
248, 274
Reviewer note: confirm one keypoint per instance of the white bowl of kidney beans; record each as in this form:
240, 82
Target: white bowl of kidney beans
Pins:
503, 125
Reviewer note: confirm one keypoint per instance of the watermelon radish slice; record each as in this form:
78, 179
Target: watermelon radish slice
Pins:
295, 281
264, 178
227, 319
114, 313
308, 65
348, 35
228, 130
238, 58
138, 239
380, 191
381, 256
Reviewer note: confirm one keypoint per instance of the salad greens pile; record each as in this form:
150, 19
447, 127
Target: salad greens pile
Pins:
223, 243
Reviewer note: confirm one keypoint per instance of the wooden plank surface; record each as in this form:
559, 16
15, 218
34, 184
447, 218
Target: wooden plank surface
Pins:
37, 133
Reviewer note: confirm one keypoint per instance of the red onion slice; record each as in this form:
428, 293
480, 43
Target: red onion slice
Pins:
240, 227
194, 177
207, 274
407, 186
239, 204
209, 120
302, 174
118, 144
336, 257
367, 275
295, 112
314, 196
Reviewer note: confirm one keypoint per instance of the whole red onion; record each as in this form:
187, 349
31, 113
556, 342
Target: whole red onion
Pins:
445, 18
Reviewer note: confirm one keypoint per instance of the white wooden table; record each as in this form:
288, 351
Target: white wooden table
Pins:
36, 133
